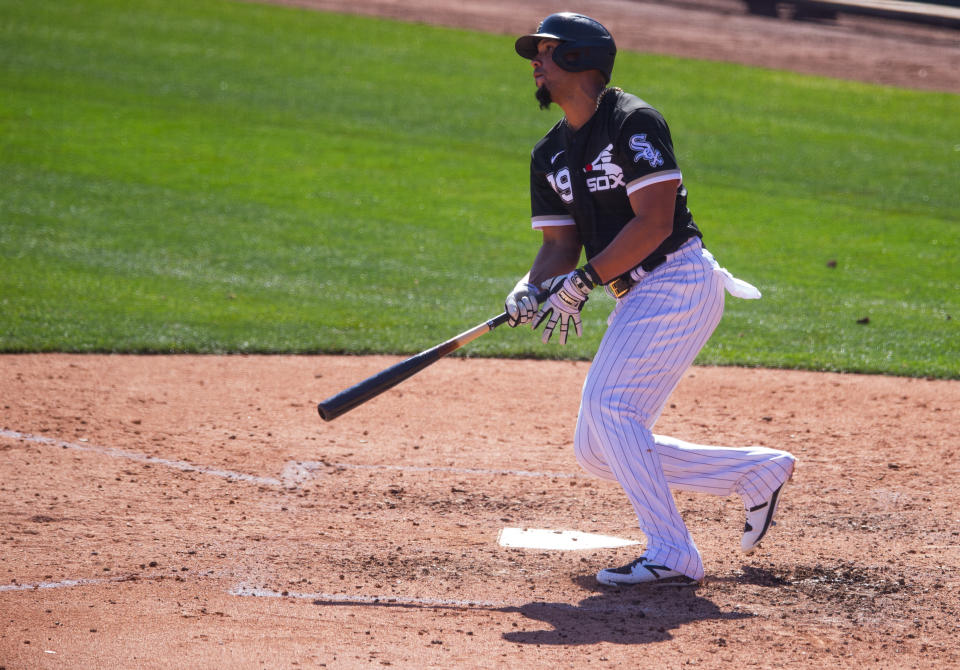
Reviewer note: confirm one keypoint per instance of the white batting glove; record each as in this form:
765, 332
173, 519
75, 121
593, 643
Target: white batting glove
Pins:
564, 305
521, 305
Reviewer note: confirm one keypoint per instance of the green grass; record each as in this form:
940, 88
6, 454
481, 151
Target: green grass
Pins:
213, 176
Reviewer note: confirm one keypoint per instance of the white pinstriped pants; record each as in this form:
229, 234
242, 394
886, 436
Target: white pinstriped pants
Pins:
655, 332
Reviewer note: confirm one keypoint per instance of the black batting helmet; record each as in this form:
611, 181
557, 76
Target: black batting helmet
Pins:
584, 43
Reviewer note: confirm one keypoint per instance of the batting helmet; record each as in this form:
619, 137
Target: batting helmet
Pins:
584, 43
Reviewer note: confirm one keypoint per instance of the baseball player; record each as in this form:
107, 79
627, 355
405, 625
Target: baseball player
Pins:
605, 180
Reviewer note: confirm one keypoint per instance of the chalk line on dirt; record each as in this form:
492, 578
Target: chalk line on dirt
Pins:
342, 599
88, 581
113, 452
347, 599
359, 599
64, 583
294, 473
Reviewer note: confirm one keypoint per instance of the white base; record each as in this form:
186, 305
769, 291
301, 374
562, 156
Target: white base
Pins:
565, 540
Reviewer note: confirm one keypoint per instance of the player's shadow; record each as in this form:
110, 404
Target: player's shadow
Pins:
631, 615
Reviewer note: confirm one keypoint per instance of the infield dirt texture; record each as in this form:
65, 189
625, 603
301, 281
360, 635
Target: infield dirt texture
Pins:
194, 511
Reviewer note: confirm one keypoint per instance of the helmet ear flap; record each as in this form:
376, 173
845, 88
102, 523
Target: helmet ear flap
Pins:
578, 57
568, 56
571, 58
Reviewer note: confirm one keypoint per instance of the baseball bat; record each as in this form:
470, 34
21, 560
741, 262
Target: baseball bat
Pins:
373, 386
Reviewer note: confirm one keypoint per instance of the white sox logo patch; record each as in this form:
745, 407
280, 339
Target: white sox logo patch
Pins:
612, 176
645, 151
602, 175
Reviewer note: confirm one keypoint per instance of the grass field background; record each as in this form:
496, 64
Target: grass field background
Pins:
213, 176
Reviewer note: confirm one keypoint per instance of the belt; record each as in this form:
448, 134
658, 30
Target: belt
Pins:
620, 286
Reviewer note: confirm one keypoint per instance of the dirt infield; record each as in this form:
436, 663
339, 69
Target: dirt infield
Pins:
195, 512
852, 47
170, 512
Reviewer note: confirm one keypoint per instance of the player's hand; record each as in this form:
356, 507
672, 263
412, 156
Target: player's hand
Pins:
564, 305
522, 303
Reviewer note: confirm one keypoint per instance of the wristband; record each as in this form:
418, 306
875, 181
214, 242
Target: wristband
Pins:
581, 282
591, 275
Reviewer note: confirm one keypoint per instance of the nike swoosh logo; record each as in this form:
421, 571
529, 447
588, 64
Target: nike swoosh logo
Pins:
555, 156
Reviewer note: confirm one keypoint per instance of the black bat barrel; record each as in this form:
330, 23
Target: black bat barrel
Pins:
373, 386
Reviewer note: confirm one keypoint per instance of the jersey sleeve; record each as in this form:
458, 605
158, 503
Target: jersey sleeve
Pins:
546, 203
646, 148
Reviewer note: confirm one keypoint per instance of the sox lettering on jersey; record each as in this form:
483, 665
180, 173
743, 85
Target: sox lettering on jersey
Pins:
611, 177
645, 150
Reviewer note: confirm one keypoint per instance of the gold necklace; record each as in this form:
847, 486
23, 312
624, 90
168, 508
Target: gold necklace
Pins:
597, 106
603, 93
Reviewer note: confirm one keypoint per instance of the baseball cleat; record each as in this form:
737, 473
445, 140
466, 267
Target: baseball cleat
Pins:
642, 571
759, 520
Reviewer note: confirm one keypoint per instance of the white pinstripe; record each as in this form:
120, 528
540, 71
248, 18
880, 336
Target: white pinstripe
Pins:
655, 332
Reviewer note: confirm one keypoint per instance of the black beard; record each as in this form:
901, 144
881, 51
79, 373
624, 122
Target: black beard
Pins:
543, 97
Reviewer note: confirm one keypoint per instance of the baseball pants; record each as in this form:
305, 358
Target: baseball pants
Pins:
654, 334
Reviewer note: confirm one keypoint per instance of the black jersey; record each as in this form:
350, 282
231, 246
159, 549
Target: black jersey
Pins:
625, 146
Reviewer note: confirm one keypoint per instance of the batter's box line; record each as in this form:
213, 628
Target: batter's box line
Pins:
243, 590
350, 599
293, 475
113, 452
93, 581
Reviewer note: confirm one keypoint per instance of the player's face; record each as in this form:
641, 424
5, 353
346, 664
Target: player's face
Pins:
547, 75
544, 69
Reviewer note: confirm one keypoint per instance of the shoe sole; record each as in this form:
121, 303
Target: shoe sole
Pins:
672, 581
773, 510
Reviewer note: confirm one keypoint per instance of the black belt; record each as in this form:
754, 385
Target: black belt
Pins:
622, 284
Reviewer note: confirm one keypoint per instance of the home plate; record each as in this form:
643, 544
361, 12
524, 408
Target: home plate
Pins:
541, 538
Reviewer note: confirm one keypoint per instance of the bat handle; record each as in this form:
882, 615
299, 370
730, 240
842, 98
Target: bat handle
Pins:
498, 320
